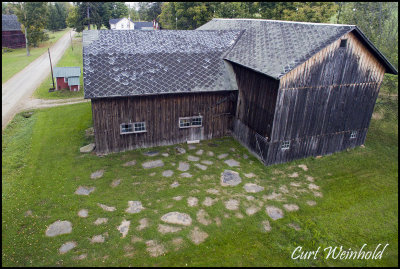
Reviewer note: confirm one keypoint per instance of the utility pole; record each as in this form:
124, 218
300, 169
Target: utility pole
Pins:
88, 17
51, 67
176, 24
72, 47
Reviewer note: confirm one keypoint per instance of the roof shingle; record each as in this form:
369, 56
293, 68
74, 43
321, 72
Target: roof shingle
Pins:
10, 23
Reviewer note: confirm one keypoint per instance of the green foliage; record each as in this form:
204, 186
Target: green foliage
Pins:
148, 11
7, 8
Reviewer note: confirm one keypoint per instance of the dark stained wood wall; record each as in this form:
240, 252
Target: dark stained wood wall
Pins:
161, 114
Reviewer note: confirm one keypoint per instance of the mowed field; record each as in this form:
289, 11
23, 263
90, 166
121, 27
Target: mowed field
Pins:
346, 199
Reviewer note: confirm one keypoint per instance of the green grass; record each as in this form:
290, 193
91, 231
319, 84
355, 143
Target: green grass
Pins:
15, 61
70, 58
42, 167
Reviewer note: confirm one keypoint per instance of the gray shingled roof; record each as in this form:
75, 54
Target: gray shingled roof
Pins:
74, 81
128, 63
140, 24
66, 72
276, 47
10, 23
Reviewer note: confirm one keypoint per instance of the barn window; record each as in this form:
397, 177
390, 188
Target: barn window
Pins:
353, 135
197, 121
187, 122
139, 127
126, 128
343, 43
285, 145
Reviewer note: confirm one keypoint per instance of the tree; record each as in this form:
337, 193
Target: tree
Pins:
74, 20
7, 8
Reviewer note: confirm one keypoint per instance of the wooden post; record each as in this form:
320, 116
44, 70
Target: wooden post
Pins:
71, 41
51, 67
26, 43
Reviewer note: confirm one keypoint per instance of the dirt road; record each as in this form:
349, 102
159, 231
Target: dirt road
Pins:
21, 86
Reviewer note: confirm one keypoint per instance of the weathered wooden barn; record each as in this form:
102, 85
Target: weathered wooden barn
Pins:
285, 90
11, 34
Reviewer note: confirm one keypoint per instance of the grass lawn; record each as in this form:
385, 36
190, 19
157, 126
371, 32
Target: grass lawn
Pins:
42, 168
15, 61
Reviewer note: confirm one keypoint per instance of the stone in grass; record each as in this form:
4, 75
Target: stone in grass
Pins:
183, 166
100, 221
59, 227
177, 198
253, 188
207, 162
295, 174
192, 201
230, 178
177, 218
175, 184
83, 213
312, 186
203, 217
89, 132
224, 155
294, 226
107, 208
84, 190
143, 224
310, 178
232, 163
87, 148
124, 227
232, 204
152, 164
162, 228
165, 154
210, 153
266, 226
154, 248
152, 174
131, 163
134, 207
151, 153
191, 147
115, 183
80, 257
295, 184
250, 175
180, 150
197, 236
136, 239
303, 166
213, 191
291, 207
283, 189
199, 152
186, 175
67, 247
208, 201
193, 158
274, 212
97, 174
311, 203
97, 239
200, 166
252, 210
217, 221
317, 194
250, 198
239, 215
167, 173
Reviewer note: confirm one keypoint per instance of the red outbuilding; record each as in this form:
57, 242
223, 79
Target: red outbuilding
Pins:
67, 78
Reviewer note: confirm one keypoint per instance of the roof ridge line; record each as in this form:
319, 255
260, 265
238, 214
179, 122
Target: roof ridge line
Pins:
298, 22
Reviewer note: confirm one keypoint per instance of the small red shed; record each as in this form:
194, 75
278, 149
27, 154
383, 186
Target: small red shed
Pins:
67, 78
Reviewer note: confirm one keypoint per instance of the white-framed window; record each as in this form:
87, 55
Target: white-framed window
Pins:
285, 145
139, 127
353, 135
187, 122
126, 128
133, 127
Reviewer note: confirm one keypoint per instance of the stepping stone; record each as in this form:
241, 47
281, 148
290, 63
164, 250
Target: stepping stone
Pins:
165, 154
192, 201
207, 162
59, 227
175, 184
224, 155
154, 248
107, 208
183, 166
83, 213
295, 184
303, 166
152, 164
84, 190
250, 198
253, 188
291, 207
252, 210
311, 203
186, 175
191, 147
213, 191
197, 236
217, 221
134, 207
294, 226
245, 156
100, 221
115, 183
177, 218
274, 196
295, 174
177, 242
87, 148
151, 153
274, 212
230, 178
232, 163
199, 152
232, 204
177, 198
266, 226
80, 257
131, 163
97, 174
162, 228
200, 166
283, 189
193, 158
209, 201
143, 224
97, 239
317, 194
310, 178
250, 175
239, 215
66, 247
203, 217
167, 173
180, 150
210, 153
124, 227
312, 186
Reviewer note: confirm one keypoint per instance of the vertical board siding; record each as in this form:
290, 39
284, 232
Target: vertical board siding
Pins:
161, 114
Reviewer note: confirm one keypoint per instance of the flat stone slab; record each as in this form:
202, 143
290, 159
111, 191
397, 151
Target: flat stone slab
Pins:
167, 173
311, 203
107, 208
197, 236
192, 201
84, 190
186, 175
295, 174
134, 207
291, 207
124, 227
152, 164
232, 204
66, 247
180, 150
210, 153
203, 217
224, 155
80, 257
177, 218
252, 210
208, 201
59, 227
232, 163
183, 166
115, 183
213, 191
207, 162
177, 198
174, 184
130, 163
200, 166
283, 189
253, 188
266, 226
143, 224
100, 221
312, 186
193, 158
162, 228
151, 153
87, 148
154, 248
295, 184
250, 175
165, 154
274, 212
97, 174
274, 196
303, 166
97, 239
230, 178
83, 213
199, 152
